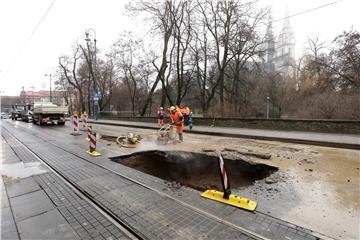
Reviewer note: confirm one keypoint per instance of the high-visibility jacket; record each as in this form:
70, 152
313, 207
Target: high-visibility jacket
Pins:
185, 111
177, 118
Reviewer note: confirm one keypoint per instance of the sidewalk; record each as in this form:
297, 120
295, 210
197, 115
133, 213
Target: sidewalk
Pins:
323, 139
36, 204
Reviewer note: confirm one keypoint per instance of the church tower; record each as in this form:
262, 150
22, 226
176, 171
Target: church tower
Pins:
280, 53
270, 47
285, 47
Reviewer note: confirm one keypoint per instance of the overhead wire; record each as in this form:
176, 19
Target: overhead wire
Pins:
31, 35
307, 11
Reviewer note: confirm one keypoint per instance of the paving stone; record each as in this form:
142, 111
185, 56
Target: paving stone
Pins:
30, 204
7, 221
3, 199
21, 186
24, 154
83, 218
50, 225
9, 235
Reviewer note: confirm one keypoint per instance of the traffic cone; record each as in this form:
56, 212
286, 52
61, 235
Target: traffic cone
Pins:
75, 131
89, 132
84, 122
92, 144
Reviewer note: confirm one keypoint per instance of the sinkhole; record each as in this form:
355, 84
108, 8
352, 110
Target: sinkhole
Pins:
195, 170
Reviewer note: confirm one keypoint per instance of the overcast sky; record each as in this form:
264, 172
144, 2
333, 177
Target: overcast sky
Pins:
24, 60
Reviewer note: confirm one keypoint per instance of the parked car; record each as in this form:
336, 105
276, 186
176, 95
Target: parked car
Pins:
5, 115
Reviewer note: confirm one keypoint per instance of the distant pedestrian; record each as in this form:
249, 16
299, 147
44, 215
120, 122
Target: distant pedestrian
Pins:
160, 116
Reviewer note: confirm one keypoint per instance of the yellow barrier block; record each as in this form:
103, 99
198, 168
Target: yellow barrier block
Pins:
94, 153
233, 200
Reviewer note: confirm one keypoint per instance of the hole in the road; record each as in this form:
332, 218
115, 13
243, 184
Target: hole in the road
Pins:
195, 170
108, 138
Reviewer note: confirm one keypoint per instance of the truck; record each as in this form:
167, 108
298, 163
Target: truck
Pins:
45, 113
26, 115
16, 111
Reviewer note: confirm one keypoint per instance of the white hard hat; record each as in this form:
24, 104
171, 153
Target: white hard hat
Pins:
161, 108
172, 108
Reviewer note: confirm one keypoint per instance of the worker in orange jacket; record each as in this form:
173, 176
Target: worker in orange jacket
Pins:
178, 120
187, 114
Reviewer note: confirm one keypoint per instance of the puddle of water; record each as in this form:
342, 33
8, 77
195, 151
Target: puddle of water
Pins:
196, 170
21, 170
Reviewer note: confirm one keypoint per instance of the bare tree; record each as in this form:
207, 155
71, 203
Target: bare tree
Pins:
126, 49
345, 59
200, 52
182, 35
160, 13
218, 18
315, 46
246, 51
62, 84
106, 79
71, 73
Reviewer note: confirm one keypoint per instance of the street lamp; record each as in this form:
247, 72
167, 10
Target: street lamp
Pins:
267, 107
50, 86
93, 65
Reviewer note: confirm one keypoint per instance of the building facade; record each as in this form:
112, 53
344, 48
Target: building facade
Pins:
29, 97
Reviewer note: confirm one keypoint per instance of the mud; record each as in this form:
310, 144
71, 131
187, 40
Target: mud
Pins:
195, 170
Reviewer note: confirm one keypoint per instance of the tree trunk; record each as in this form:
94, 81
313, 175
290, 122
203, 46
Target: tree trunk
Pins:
160, 74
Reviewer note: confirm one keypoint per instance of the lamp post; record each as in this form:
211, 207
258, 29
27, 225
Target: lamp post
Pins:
50, 86
93, 66
267, 107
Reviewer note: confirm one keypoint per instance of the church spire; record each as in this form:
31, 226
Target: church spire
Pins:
286, 41
269, 45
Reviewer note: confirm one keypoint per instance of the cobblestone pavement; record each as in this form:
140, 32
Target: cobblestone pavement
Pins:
141, 201
42, 206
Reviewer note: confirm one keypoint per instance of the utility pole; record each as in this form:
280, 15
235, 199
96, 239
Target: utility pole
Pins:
267, 107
